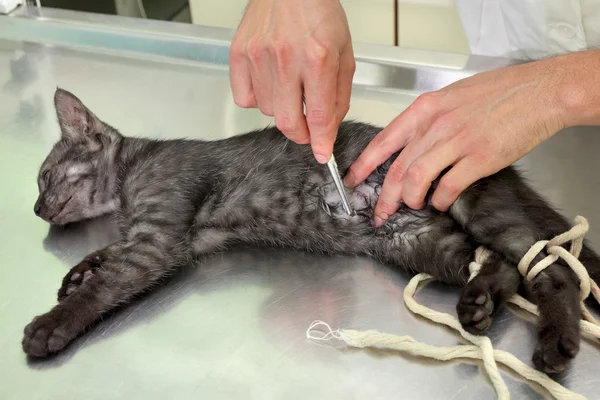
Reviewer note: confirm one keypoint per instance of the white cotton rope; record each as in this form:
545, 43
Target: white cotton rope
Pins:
481, 346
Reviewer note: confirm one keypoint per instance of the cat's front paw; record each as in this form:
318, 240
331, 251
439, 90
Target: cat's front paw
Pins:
79, 274
475, 307
47, 334
556, 347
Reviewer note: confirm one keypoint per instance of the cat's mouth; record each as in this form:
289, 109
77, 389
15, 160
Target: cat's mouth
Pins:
60, 210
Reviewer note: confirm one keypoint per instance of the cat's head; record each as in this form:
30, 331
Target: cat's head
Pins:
77, 180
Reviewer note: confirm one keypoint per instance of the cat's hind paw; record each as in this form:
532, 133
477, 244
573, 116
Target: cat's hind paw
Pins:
475, 307
556, 347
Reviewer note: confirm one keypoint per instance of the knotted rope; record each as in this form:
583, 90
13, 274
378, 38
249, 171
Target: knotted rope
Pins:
481, 346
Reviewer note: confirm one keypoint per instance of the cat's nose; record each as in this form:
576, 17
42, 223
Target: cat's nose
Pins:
37, 207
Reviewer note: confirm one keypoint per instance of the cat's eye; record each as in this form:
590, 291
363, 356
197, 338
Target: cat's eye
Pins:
45, 175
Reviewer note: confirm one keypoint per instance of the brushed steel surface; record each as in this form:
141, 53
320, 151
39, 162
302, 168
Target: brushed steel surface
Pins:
234, 326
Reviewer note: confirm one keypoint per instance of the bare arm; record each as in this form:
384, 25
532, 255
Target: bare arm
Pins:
478, 126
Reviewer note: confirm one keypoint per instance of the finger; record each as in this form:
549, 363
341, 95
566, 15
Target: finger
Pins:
240, 79
416, 118
466, 172
289, 109
393, 184
424, 170
260, 71
389, 198
344, 84
320, 85
395, 178
287, 97
391, 139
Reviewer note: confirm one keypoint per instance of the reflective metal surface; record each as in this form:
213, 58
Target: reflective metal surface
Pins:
234, 326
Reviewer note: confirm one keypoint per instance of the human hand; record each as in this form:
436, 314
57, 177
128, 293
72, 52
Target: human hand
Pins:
476, 126
284, 49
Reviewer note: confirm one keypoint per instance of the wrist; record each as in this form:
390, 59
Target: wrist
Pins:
578, 88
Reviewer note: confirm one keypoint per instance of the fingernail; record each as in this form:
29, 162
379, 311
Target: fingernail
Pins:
380, 220
349, 179
321, 159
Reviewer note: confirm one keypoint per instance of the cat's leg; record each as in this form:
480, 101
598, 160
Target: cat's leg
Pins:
557, 296
505, 215
112, 277
426, 241
487, 293
104, 280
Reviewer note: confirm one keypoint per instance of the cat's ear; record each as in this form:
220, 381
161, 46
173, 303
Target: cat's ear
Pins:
76, 121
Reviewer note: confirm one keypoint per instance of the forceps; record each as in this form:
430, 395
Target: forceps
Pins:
335, 174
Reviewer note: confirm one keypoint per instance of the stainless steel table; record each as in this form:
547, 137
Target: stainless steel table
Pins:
234, 327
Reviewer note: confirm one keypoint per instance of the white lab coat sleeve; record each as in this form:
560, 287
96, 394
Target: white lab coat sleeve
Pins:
484, 26
522, 29
590, 10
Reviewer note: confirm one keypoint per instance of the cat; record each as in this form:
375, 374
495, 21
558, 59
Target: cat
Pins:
177, 201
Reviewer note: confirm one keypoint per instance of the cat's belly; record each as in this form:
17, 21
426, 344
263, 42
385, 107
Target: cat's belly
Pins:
311, 218
362, 199
405, 226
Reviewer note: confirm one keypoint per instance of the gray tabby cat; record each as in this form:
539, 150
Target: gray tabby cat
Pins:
179, 200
